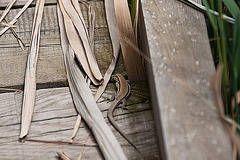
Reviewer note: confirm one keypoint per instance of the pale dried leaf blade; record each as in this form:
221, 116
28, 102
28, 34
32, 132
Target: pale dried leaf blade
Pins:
30, 75
85, 103
112, 27
132, 60
76, 126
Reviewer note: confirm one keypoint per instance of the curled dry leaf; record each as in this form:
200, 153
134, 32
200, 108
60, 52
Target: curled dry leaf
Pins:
77, 45
81, 30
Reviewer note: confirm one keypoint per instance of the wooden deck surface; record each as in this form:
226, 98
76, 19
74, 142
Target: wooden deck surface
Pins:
175, 39
54, 113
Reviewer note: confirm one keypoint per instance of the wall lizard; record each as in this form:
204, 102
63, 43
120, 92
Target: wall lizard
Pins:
122, 94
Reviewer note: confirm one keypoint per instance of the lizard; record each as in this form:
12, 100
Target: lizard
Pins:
123, 92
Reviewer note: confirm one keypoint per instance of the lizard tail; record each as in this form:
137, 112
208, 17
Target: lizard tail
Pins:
114, 124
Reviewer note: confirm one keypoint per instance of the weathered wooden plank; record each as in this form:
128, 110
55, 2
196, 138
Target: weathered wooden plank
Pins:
54, 117
50, 65
20, 3
176, 41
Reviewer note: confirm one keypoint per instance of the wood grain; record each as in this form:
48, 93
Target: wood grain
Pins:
50, 67
20, 3
175, 38
54, 117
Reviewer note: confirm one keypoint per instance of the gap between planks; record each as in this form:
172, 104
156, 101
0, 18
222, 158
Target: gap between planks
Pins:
54, 118
50, 67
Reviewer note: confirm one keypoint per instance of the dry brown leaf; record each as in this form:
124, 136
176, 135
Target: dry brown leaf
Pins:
17, 16
30, 74
78, 23
77, 45
132, 60
85, 103
9, 6
78, 9
91, 20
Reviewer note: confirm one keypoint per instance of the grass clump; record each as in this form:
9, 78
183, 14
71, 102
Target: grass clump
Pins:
225, 44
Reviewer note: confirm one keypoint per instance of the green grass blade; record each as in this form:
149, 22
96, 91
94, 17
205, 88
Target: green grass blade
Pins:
203, 9
236, 42
212, 19
133, 10
232, 7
